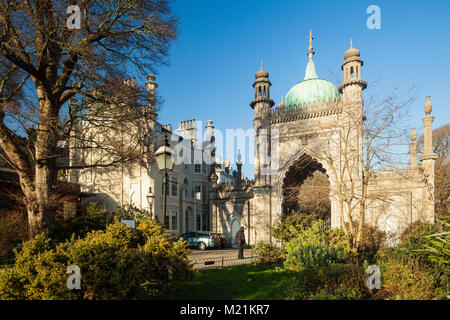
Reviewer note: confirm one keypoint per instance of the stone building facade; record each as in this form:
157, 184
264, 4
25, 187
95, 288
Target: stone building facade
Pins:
320, 127
142, 185
317, 127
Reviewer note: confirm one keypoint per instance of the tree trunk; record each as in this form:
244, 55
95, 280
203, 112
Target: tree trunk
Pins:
42, 207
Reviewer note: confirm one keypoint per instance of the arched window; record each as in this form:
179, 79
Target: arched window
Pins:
351, 72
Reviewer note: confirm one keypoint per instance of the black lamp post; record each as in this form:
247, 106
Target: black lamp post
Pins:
164, 161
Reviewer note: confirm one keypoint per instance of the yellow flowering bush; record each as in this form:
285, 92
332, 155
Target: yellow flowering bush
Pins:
117, 263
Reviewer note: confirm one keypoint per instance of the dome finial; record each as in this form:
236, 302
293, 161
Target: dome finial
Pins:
261, 73
428, 106
310, 49
413, 134
352, 52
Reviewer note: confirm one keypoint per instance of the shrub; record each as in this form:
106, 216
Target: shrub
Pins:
132, 212
437, 249
300, 255
118, 263
315, 245
405, 277
338, 281
79, 226
13, 229
413, 238
308, 229
309, 243
372, 240
269, 253
290, 226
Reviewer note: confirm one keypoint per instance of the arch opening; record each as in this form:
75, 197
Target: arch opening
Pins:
306, 189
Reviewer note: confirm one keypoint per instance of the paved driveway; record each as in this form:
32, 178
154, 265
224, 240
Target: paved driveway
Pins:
214, 258
213, 253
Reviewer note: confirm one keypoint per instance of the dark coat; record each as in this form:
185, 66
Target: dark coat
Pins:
240, 237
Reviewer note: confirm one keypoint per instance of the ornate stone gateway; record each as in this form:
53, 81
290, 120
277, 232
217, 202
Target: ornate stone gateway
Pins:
320, 127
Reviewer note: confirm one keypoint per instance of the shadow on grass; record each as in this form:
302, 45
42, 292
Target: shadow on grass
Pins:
243, 282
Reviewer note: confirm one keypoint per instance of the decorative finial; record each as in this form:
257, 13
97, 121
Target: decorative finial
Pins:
281, 99
310, 49
428, 106
261, 65
351, 43
413, 134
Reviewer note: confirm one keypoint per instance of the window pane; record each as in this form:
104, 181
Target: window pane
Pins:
174, 187
174, 221
166, 222
198, 192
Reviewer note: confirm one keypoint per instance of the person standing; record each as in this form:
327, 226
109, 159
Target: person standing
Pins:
240, 240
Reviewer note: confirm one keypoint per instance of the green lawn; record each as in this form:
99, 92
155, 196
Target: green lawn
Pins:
244, 282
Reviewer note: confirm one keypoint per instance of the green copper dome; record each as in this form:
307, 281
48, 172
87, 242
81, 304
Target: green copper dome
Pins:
312, 88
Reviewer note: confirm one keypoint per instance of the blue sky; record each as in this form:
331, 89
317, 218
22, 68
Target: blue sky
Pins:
221, 43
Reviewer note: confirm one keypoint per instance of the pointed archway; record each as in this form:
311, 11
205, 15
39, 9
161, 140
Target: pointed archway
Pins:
306, 188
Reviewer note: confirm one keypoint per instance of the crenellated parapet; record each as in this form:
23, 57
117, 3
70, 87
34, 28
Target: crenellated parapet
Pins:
405, 171
245, 184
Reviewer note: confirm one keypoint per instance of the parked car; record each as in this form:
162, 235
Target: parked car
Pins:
223, 240
202, 240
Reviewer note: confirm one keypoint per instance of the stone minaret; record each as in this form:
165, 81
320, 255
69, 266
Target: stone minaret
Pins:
262, 208
353, 84
428, 160
353, 103
262, 106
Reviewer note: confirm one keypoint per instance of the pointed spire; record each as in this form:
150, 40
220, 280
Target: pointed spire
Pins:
310, 49
311, 72
261, 65
352, 51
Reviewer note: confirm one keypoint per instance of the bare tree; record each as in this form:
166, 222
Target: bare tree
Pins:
52, 62
364, 139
